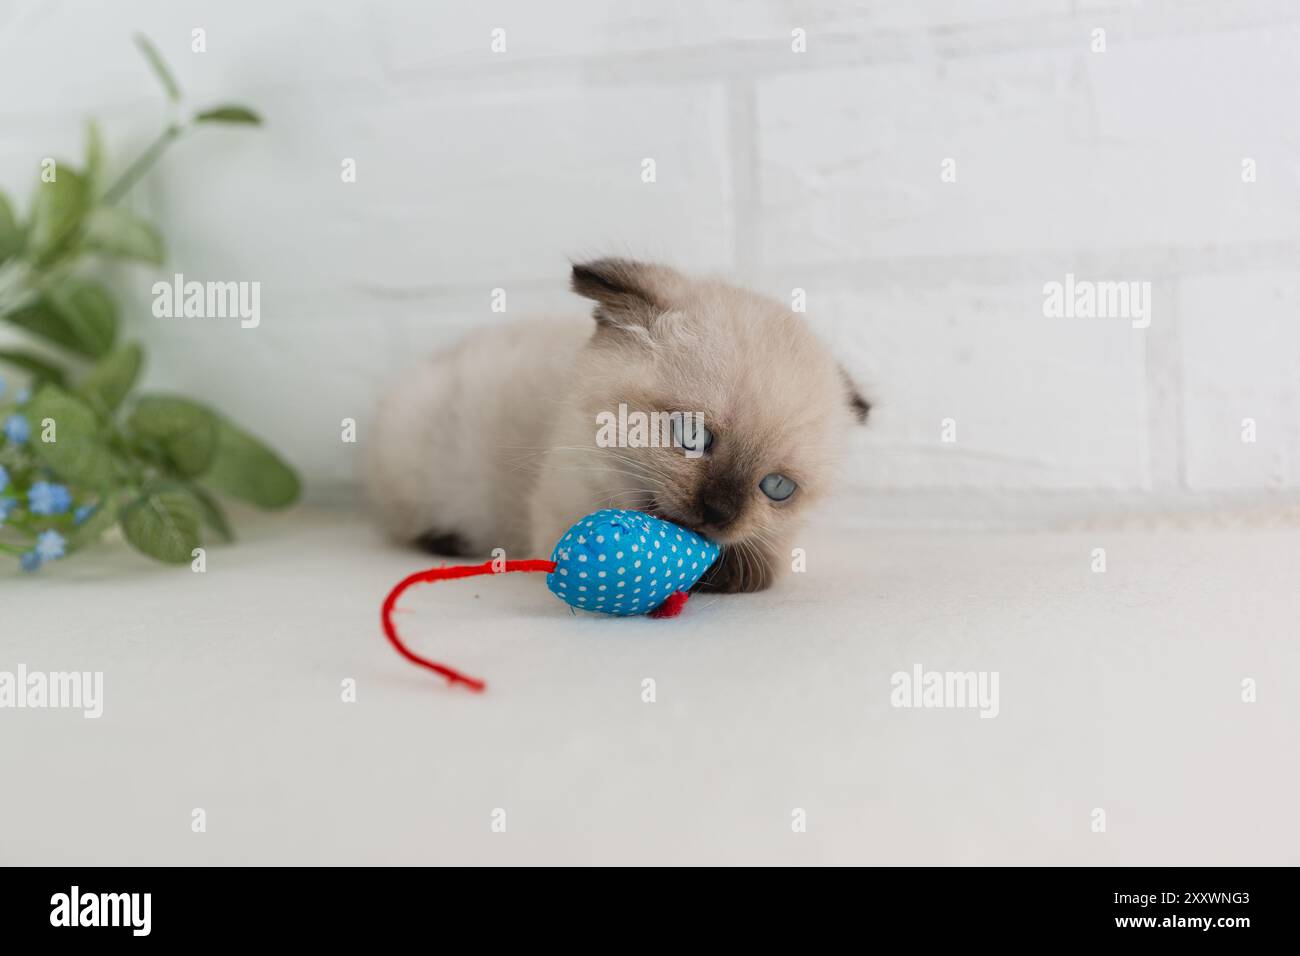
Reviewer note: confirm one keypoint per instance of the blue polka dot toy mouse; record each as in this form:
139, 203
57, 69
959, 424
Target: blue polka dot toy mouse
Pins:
613, 561
626, 562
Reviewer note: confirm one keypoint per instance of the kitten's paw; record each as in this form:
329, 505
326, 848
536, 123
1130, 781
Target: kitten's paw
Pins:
450, 544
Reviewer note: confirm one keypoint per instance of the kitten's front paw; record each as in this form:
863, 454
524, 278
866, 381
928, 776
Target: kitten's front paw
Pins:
738, 570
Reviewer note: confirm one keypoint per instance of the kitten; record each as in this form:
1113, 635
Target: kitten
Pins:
494, 443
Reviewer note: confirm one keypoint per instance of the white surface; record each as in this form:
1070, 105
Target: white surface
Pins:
817, 171
222, 691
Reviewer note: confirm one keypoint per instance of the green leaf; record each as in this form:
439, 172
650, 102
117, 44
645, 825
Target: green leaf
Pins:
162, 524
113, 231
76, 313
94, 156
159, 67
58, 209
185, 432
229, 114
244, 468
105, 385
11, 234
86, 329
41, 370
41, 319
211, 512
78, 452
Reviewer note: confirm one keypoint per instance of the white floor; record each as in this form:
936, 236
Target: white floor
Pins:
1118, 690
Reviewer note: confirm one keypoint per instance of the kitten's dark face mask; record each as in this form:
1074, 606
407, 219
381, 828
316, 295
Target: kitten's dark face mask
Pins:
759, 404
718, 500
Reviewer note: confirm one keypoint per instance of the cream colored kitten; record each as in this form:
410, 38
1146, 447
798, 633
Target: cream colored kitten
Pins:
494, 443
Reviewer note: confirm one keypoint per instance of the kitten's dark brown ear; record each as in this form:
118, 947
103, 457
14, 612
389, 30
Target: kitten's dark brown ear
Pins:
860, 406
626, 291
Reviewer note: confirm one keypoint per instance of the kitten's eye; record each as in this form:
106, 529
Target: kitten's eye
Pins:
777, 487
690, 433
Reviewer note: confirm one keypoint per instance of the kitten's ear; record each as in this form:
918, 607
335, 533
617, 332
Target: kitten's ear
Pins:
627, 292
860, 406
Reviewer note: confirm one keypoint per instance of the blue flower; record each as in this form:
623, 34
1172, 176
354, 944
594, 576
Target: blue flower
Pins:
7, 506
83, 512
4, 477
50, 545
44, 498
30, 561
16, 429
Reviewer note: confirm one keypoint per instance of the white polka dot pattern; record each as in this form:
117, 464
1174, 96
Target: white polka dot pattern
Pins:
626, 562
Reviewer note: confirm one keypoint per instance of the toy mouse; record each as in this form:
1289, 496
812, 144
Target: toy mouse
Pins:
612, 561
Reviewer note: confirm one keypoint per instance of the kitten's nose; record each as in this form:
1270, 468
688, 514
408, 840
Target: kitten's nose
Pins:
717, 513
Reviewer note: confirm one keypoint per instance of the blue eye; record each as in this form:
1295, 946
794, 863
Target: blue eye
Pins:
777, 487
690, 433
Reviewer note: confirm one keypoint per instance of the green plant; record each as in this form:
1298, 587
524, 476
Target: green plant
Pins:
78, 452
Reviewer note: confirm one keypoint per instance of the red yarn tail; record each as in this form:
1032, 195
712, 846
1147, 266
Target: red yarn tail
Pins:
671, 607
443, 574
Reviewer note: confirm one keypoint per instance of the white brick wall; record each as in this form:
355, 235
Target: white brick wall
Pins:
817, 170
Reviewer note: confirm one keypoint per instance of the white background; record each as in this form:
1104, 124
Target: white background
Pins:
818, 170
